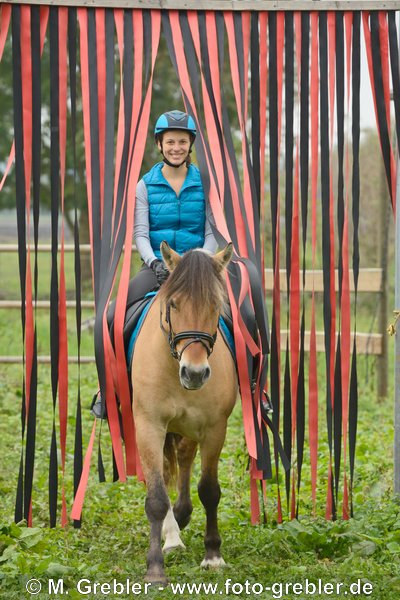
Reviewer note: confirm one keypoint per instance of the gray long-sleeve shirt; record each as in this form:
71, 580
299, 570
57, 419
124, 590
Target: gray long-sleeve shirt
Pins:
141, 233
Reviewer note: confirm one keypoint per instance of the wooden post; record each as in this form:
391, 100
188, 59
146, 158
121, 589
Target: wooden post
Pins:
397, 346
397, 339
384, 222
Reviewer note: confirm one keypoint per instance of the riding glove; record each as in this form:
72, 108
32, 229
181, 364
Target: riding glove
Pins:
159, 270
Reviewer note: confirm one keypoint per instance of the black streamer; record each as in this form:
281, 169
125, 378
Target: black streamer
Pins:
54, 180
72, 52
20, 511
353, 396
325, 191
380, 98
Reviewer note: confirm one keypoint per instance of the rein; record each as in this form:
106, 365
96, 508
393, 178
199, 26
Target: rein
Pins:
195, 337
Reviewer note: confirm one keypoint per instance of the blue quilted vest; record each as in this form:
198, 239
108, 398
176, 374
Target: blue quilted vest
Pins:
179, 220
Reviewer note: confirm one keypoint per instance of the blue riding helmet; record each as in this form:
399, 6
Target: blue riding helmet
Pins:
175, 119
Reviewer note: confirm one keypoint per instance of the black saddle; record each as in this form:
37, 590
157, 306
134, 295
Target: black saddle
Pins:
132, 317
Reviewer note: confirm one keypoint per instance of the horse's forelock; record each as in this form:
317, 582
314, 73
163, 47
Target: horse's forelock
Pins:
197, 279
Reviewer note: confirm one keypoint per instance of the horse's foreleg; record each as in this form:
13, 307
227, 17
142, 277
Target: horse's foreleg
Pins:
156, 507
179, 517
183, 506
170, 529
210, 493
150, 444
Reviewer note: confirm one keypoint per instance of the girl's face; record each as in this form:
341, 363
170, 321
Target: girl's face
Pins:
175, 145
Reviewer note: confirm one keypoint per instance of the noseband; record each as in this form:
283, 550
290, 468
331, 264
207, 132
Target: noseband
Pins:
195, 337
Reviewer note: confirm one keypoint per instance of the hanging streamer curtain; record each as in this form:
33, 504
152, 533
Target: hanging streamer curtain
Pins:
379, 32
192, 39
266, 89
112, 174
111, 207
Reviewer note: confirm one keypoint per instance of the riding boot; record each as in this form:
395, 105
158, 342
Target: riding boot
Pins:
144, 282
98, 408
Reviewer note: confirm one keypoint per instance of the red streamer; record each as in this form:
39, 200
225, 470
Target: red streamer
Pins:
26, 74
5, 18
294, 296
332, 71
384, 45
263, 92
101, 84
242, 108
384, 63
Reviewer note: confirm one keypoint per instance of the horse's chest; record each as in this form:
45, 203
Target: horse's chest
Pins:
189, 421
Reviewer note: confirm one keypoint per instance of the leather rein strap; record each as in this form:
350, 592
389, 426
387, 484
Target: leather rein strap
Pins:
195, 337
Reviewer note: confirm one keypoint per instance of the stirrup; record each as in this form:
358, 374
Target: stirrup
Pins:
267, 403
96, 407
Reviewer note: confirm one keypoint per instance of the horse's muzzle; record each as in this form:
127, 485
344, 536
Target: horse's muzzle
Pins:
194, 379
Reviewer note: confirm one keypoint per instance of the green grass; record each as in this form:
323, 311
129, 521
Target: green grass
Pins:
112, 542
113, 539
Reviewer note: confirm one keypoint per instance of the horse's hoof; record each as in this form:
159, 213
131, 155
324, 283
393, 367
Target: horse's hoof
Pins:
216, 562
183, 512
183, 521
173, 546
156, 579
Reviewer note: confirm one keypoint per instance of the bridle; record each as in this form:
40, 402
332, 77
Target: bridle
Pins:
195, 337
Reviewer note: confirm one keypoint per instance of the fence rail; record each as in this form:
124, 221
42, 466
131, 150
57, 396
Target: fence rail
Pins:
46, 360
367, 343
84, 248
43, 248
370, 281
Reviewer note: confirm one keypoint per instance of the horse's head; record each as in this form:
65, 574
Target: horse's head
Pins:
191, 300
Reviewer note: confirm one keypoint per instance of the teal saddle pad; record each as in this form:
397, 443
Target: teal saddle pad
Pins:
223, 327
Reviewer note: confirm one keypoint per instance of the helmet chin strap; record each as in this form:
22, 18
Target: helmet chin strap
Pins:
170, 164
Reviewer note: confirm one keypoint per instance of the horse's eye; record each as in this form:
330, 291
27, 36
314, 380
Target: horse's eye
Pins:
173, 305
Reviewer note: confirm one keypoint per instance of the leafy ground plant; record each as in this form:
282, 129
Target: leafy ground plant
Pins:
305, 558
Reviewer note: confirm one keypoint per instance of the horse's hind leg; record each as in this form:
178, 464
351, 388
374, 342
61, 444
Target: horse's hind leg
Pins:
183, 507
210, 493
150, 440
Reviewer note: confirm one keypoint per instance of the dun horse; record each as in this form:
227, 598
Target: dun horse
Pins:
184, 382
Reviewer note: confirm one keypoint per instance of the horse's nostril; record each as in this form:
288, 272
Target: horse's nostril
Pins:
206, 374
193, 379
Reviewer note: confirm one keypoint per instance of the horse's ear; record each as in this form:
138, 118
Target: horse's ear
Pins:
170, 257
223, 257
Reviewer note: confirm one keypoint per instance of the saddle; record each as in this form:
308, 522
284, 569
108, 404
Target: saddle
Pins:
134, 318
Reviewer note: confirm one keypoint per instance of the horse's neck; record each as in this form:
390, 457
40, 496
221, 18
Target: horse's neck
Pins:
155, 319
